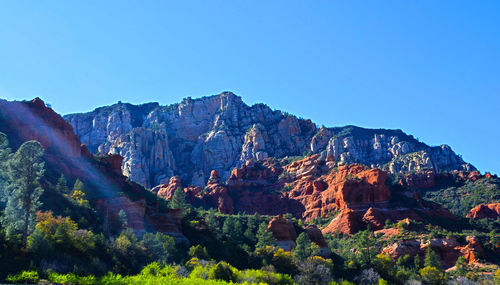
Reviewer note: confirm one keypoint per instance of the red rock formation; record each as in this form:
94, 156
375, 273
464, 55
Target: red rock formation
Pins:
374, 218
315, 235
347, 222
387, 233
448, 249
23, 121
113, 163
167, 190
282, 228
254, 174
168, 222
283, 231
309, 166
483, 211
135, 211
351, 186
402, 248
473, 250
218, 195
420, 180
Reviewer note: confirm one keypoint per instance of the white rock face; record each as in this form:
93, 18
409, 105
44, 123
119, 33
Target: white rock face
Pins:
219, 132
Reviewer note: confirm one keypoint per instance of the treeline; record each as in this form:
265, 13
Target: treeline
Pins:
49, 232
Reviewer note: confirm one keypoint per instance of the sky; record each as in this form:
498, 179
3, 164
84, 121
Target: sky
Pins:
430, 68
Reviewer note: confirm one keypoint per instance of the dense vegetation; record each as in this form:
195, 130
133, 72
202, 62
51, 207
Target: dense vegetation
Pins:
50, 232
463, 196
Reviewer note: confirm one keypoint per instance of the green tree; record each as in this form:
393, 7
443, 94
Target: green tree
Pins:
222, 271
24, 190
461, 266
303, 249
122, 218
178, 201
198, 251
228, 226
4, 158
431, 259
79, 186
264, 237
366, 250
62, 185
212, 221
161, 247
417, 261
431, 275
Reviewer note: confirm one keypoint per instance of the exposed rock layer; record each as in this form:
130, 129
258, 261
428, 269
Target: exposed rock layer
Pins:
220, 132
483, 211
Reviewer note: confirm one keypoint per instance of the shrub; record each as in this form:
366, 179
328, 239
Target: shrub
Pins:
223, 271
25, 276
431, 275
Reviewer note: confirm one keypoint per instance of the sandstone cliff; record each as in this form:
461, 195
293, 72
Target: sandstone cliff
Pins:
220, 132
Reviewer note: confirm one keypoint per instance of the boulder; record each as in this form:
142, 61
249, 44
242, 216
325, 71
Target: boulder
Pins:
483, 211
283, 231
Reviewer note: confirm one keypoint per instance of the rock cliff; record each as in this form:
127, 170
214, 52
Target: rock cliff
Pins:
484, 211
220, 132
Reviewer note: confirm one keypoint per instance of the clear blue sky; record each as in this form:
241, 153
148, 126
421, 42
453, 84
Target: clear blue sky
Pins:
431, 68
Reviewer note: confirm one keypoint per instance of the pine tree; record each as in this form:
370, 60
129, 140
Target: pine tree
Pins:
24, 189
431, 259
179, 201
212, 221
461, 266
79, 186
62, 185
417, 261
264, 237
4, 158
122, 218
227, 225
303, 248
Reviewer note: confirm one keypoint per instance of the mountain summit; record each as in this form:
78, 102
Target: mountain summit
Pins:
220, 132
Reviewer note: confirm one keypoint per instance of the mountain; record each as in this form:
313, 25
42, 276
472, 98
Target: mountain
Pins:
221, 132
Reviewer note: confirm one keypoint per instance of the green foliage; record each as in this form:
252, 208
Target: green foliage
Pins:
24, 172
431, 258
366, 250
62, 185
461, 198
122, 218
198, 251
71, 278
178, 201
5, 153
431, 275
313, 273
24, 277
461, 266
160, 247
264, 237
284, 262
303, 249
260, 276
223, 271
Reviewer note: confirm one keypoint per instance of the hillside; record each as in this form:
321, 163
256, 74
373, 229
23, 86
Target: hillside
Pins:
243, 194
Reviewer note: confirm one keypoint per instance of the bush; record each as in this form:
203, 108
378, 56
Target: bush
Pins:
25, 276
431, 275
223, 271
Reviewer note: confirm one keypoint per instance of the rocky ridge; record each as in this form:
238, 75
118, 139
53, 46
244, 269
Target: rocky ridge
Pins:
106, 188
221, 132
